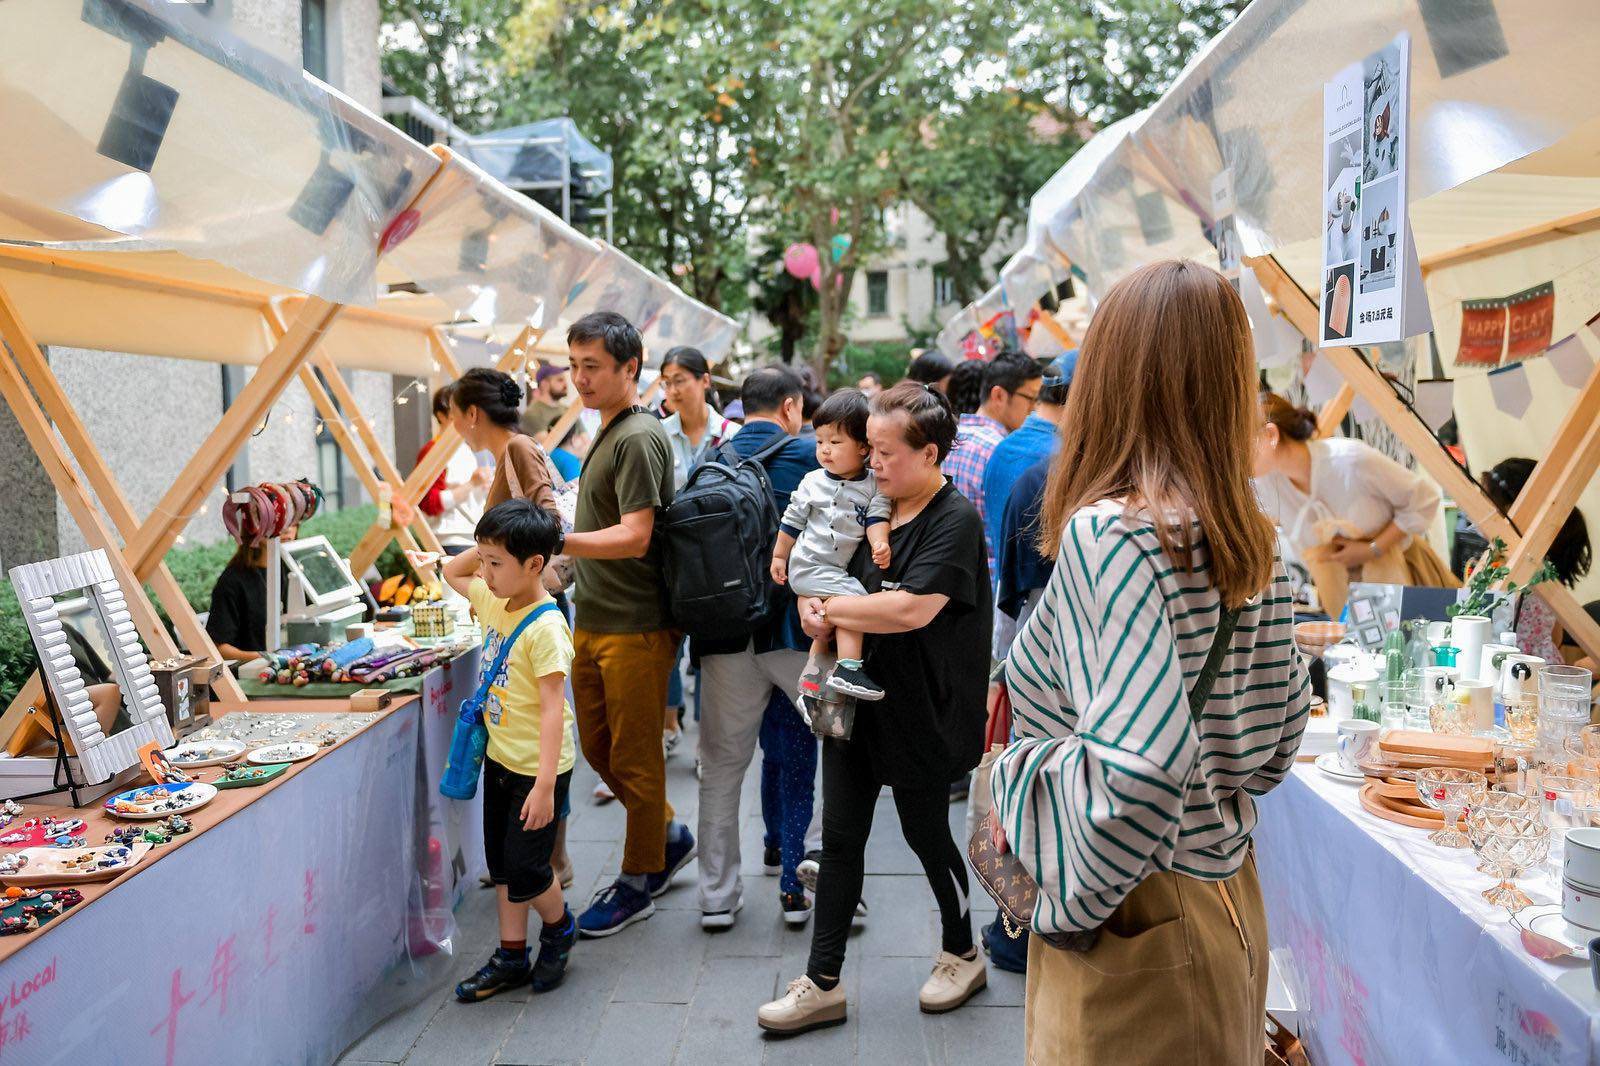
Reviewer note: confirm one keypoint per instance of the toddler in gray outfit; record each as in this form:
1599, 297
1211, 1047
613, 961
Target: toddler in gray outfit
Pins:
828, 515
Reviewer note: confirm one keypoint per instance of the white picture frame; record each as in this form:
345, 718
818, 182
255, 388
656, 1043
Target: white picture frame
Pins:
348, 592
99, 757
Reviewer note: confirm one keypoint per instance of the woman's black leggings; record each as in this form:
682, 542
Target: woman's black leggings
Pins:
849, 794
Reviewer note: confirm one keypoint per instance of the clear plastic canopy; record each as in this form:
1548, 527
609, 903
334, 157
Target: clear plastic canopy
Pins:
139, 124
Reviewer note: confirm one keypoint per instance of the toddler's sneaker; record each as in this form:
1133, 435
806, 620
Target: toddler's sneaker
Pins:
551, 965
504, 970
848, 681
810, 686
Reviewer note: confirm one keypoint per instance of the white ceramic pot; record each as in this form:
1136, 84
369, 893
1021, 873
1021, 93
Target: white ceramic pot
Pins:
1480, 698
1490, 661
1469, 633
1519, 676
1580, 863
1341, 702
1580, 904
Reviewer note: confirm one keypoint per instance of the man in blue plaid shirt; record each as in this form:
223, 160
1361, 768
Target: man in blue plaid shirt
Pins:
1010, 388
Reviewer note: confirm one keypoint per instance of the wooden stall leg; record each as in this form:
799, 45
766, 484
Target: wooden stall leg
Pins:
222, 445
1333, 412
36, 371
427, 472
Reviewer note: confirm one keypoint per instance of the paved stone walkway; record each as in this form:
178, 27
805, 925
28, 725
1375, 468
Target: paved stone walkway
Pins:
665, 991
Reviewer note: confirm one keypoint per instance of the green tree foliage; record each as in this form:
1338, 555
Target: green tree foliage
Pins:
446, 53
735, 123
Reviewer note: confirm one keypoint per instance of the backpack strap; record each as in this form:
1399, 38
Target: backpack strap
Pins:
771, 449
1221, 642
475, 704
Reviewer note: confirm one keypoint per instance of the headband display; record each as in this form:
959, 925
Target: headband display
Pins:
257, 513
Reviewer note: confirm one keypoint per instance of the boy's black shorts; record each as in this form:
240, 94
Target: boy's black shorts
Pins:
518, 859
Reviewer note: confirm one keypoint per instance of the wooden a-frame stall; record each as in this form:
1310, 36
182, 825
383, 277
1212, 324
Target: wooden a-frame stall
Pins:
1505, 195
335, 242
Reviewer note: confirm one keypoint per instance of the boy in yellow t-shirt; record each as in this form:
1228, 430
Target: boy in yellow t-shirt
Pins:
528, 766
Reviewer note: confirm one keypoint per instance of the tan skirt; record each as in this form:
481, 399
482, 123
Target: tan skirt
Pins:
1178, 978
1417, 565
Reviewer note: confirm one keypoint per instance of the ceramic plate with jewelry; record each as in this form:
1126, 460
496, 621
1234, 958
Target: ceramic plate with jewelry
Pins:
153, 802
1548, 922
205, 753
295, 751
48, 866
1330, 763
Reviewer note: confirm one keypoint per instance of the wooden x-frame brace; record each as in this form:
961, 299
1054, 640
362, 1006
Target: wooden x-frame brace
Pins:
426, 472
1544, 502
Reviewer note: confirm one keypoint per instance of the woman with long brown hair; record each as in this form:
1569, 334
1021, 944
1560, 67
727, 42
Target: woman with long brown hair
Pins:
1349, 512
1132, 811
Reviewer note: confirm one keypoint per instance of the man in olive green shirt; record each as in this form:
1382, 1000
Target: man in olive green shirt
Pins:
548, 402
622, 640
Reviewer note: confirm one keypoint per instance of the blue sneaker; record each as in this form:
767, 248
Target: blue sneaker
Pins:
679, 852
1008, 953
613, 909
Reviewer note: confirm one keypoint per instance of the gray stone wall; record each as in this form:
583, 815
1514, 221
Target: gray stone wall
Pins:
147, 415
28, 529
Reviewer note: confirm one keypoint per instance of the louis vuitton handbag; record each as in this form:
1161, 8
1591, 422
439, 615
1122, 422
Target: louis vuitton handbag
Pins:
1001, 873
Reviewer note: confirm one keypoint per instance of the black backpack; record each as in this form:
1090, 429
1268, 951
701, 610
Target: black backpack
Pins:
716, 540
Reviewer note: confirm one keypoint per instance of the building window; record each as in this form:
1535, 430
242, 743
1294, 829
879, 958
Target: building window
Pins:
314, 37
877, 292
944, 286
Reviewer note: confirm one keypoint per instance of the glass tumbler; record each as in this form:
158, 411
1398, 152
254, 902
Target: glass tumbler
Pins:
1564, 704
1394, 700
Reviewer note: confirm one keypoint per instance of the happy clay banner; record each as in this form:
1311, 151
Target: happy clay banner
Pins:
1371, 289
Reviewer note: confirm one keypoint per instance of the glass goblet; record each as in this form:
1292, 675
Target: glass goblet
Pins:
1450, 790
1512, 843
1496, 802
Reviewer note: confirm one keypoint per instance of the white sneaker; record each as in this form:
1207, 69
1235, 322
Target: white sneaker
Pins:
803, 1006
721, 919
808, 869
860, 917
669, 742
602, 794
954, 981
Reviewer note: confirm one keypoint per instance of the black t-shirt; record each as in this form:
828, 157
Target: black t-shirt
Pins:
239, 608
928, 728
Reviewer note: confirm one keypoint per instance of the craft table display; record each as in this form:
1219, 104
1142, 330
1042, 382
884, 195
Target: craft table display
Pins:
290, 920
1391, 953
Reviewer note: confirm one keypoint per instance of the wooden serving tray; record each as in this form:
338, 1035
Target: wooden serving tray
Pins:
1464, 751
1395, 788
1392, 810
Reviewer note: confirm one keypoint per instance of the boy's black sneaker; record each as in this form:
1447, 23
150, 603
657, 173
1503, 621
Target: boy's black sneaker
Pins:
849, 682
551, 965
771, 861
500, 973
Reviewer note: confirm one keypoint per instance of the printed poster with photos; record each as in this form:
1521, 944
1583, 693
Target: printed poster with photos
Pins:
1371, 282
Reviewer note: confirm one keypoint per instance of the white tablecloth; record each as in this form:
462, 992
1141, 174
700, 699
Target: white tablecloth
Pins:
1391, 953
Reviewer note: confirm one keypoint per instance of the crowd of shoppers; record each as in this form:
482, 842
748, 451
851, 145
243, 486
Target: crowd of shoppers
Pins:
1086, 524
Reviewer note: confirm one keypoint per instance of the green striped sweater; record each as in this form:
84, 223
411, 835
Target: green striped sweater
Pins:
1108, 778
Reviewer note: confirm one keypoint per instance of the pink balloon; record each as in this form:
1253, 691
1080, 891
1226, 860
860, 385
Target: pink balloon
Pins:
801, 260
